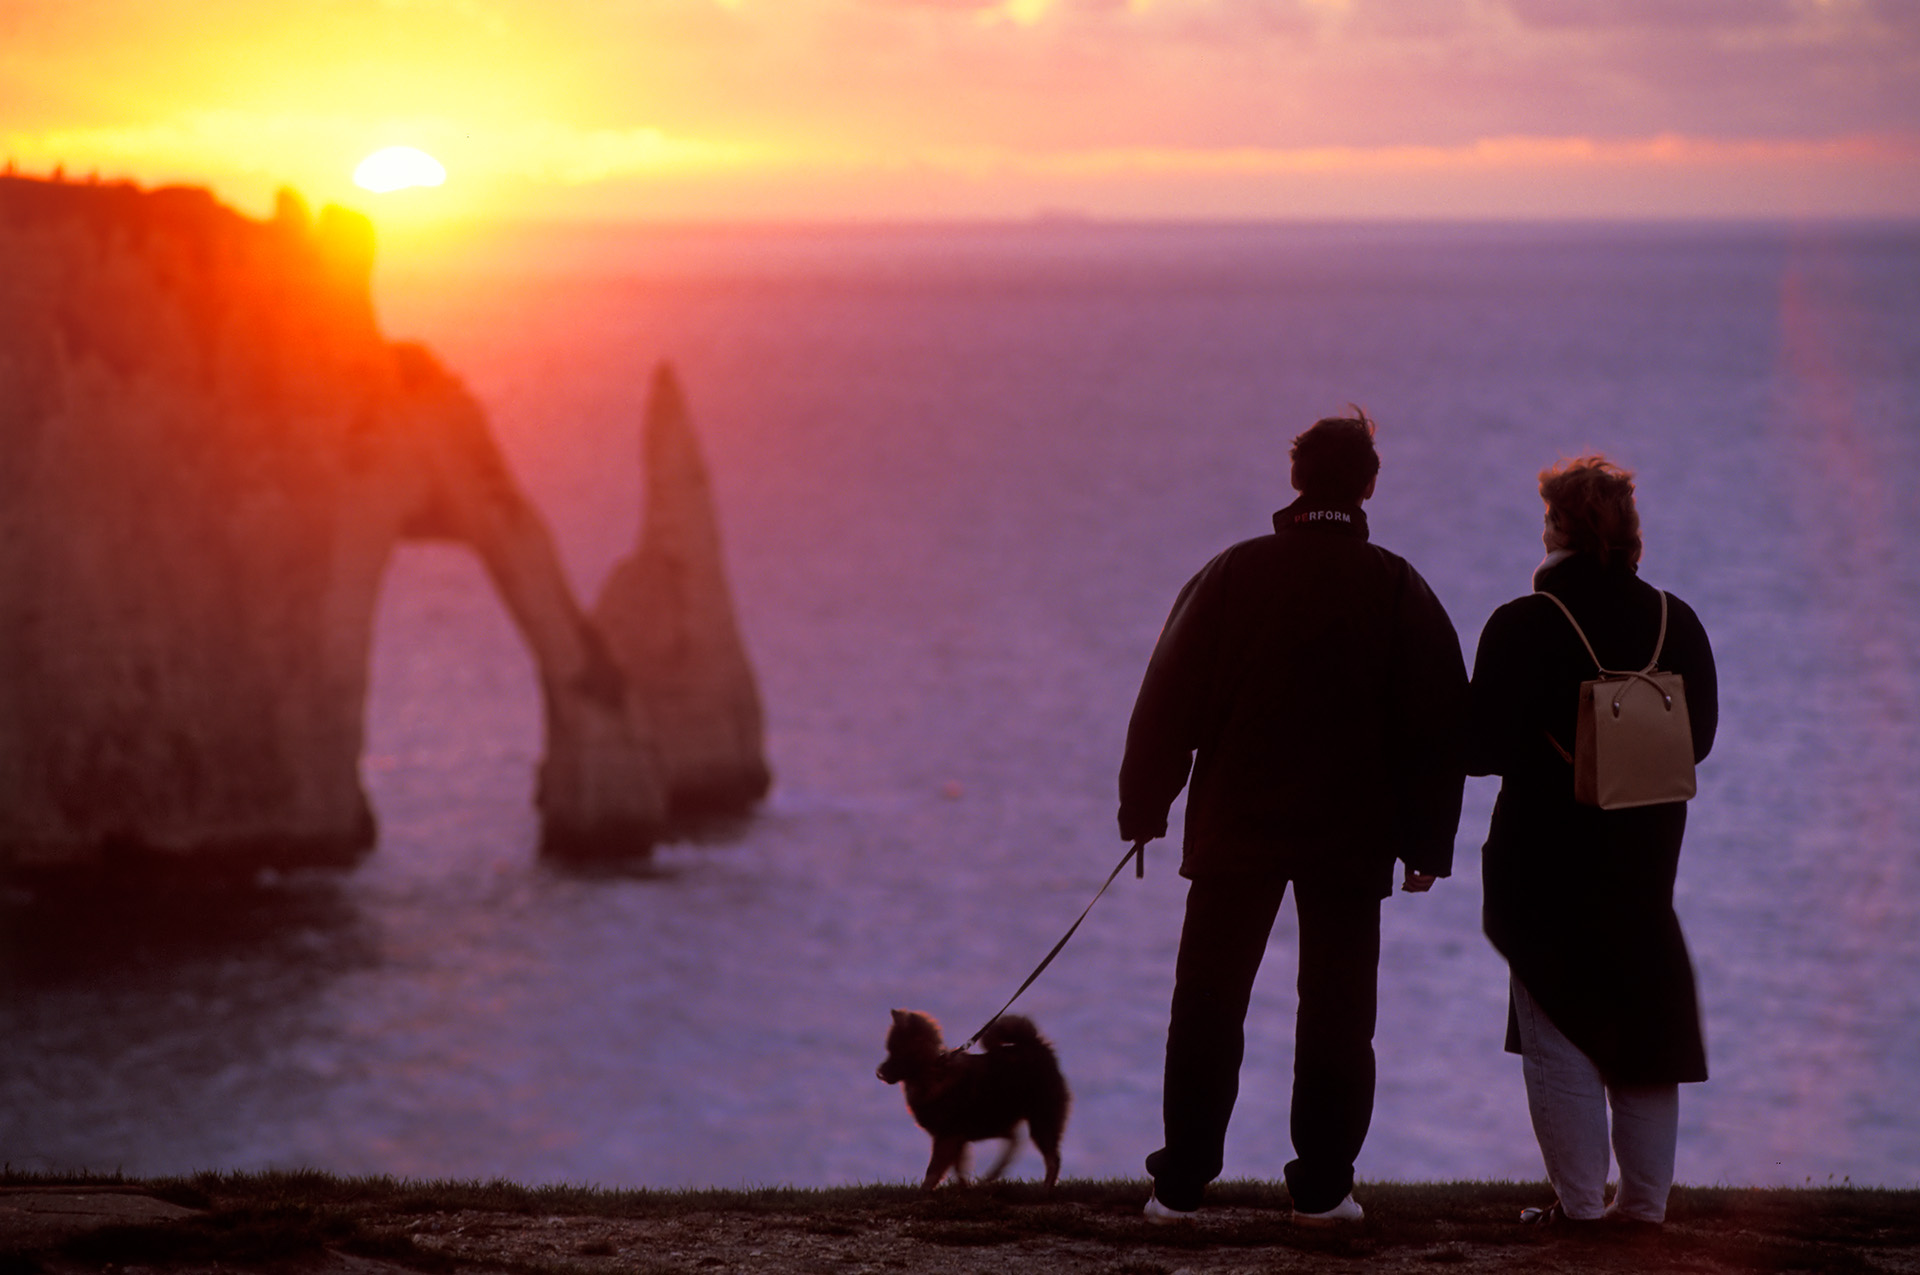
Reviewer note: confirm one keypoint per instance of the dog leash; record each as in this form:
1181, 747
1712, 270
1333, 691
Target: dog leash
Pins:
1136, 852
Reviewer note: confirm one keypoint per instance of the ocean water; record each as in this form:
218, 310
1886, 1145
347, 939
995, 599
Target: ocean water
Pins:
961, 474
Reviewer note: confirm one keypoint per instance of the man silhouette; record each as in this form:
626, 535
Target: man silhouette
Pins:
1313, 685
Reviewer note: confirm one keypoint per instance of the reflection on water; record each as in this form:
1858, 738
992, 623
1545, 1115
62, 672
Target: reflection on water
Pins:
961, 476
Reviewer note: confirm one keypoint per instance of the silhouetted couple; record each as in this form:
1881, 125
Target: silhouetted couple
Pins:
1308, 690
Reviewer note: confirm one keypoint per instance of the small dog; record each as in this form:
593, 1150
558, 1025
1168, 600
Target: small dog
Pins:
961, 1098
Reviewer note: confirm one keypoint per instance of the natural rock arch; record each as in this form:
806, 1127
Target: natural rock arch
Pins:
207, 455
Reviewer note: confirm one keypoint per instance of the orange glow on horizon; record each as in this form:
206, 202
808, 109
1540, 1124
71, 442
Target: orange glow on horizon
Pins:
930, 109
561, 173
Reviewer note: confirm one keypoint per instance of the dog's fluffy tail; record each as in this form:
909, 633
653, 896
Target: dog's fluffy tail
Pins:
1010, 1029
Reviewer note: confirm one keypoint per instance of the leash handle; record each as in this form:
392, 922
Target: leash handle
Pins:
1136, 852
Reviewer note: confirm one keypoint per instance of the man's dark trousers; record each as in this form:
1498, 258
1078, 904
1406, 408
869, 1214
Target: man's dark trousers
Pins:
1221, 943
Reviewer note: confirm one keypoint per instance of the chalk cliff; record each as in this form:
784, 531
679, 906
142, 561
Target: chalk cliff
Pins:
208, 452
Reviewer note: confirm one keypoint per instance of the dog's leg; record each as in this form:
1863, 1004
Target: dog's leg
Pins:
1006, 1155
1046, 1139
948, 1153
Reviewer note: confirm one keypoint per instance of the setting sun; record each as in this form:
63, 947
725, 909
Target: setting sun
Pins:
398, 167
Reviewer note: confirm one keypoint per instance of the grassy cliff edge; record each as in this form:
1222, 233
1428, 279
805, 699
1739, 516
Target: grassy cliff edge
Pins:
308, 1221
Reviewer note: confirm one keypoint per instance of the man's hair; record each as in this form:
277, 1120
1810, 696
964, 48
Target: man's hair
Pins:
1590, 500
1335, 458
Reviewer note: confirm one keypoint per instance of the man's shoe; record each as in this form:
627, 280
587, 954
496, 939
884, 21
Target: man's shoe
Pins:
1348, 1210
1161, 1215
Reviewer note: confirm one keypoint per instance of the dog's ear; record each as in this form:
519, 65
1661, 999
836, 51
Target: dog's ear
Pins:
899, 1016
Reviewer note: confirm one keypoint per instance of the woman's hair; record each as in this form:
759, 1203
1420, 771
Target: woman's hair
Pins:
1335, 458
1590, 500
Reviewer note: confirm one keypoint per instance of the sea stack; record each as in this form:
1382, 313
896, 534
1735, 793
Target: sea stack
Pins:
667, 614
208, 452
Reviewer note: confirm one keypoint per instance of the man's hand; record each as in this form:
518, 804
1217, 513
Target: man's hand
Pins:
1417, 882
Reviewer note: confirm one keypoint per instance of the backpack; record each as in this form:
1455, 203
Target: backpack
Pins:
1633, 744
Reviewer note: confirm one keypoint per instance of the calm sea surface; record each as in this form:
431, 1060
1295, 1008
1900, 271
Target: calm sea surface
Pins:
962, 473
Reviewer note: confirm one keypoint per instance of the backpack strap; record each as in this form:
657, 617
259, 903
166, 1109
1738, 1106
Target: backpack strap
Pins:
1658, 642
1582, 633
1641, 674
1661, 640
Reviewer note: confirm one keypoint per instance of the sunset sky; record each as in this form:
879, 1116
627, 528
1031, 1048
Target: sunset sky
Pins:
782, 109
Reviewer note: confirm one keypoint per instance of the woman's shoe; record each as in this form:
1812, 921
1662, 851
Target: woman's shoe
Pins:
1553, 1215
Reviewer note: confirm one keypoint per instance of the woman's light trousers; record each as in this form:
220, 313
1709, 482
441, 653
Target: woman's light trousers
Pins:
1569, 1101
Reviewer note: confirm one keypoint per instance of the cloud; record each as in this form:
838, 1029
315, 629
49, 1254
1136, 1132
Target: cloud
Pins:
1667, 15
567, 94
574, 156
1515, 153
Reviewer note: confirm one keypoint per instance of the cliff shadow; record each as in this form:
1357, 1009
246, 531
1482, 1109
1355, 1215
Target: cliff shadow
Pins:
147, 926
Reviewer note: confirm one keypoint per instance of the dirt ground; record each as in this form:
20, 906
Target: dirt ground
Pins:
34, 1217
38, 1224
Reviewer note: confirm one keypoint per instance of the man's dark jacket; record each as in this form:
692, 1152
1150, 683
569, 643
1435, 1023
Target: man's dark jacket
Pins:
1314, 685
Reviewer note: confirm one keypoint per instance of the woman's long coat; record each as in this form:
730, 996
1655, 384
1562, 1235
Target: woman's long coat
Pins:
1580, 900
